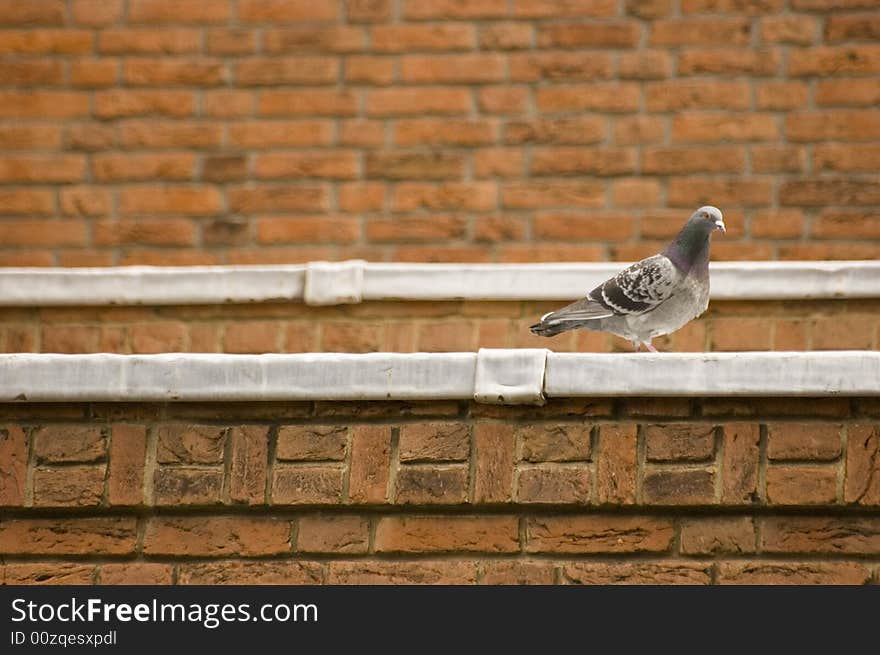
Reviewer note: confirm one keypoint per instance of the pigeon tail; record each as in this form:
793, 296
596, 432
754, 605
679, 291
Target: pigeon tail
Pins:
580, 314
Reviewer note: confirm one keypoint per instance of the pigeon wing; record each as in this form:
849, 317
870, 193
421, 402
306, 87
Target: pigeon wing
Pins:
639, 288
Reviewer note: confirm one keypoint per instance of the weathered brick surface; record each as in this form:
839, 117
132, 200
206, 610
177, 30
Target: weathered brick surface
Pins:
696, 491
152, 133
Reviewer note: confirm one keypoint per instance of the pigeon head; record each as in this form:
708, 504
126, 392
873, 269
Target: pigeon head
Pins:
691, 246
709, 219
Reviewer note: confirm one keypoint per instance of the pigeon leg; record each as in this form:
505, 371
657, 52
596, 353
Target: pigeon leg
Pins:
637, 346
650, 347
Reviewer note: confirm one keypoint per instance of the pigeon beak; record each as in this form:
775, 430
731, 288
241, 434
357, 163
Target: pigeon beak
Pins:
720, 226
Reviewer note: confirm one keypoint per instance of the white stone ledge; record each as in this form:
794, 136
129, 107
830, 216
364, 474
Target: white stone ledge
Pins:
508, 376
322, 283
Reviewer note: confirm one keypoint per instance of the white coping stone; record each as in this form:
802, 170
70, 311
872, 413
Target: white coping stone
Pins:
818, 373
424, 376
334, 283
510, 376
344, 282
210, 377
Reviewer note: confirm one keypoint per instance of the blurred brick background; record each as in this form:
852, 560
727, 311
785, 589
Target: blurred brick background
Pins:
259, 131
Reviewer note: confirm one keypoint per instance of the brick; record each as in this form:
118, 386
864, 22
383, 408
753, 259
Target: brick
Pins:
847, 535
194, 200
714, 536
679, 442
598, 534
473, 196
39, 168
261, 134
308, 102
553, 484
333, 534
32, 73
369, 70
222, 41
43, 104
533, 195
66, 536
862, 483
164, 134
434, 442
311, 39
45, 12
667, 573
167, 11
85, 201
68, 338
589, 35
795, 29
447, 336
289, 572
451, 9
429, 485
700, 31
617, 98
168, 40
165, 336
14, 454
645, 65
307, 485
699, 128
818, 192
796, 573
187, 486
69, 486
142, 71
781, 95
29, 137
118, 103
413, 165
506, 36
51, 574
739, 464
425, 534
638, 129
849, 157
729, 62
778, 159
557, 131
312, 442
648, 8
825, 60
339, 165
678, 95
400, 102
801, 485
216, 536
279, 11
182, 443
370, 572
855, 125
308, 229
494, 451
502, 99
616, 464
368, 11
747, 7
370, 464
555, 443
128, 447
678, 159
517, 572
688, 192
569, 8
136, 573
271, 71
787, 441
679, 487
581, 161
443, 132
853, 91
247, 471
416, 228
352, 337
497, 162
404, 38
69, 443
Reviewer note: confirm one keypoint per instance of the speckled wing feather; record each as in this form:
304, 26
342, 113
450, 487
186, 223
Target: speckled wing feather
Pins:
638, 288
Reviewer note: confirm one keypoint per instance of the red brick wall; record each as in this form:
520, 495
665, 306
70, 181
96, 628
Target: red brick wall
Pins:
579, 491
212, 131
420, 326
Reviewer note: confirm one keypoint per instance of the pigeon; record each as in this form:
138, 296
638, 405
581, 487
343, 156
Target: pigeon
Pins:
650, 298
